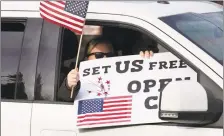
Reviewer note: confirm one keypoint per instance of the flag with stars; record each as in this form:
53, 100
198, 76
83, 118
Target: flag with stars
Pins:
68, 14
98, 111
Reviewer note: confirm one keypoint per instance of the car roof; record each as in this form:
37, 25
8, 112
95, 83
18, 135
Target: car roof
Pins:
133, 8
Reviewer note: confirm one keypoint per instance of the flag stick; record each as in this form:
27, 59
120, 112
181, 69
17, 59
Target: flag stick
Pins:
77, 59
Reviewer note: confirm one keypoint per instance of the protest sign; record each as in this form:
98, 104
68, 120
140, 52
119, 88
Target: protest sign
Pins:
126, 90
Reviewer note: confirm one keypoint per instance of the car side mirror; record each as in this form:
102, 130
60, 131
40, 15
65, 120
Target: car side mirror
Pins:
187, 102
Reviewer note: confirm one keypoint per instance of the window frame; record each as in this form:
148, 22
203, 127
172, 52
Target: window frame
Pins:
123, 25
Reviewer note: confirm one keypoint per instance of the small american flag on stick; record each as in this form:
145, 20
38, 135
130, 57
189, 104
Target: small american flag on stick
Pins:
69, 14
98, 111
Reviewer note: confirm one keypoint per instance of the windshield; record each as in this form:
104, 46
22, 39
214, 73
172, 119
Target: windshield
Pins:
205, 30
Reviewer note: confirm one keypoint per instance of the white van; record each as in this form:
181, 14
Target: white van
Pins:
35, 57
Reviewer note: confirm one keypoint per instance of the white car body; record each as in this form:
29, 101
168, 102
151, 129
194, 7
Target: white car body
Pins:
37, 119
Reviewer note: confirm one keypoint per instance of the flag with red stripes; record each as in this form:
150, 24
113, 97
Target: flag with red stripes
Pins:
68, 14
108, 110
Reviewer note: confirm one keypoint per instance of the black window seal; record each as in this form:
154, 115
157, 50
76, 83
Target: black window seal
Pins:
17, 101
58, 63
13, 19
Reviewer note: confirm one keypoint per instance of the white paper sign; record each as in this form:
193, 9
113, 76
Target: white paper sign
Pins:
142, 79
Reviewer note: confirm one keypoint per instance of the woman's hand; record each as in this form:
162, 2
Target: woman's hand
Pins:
72, 78
146, 54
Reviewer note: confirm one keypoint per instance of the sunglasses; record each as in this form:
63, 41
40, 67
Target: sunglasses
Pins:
99, 55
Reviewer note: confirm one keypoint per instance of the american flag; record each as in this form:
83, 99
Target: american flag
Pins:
69, 14
98, 111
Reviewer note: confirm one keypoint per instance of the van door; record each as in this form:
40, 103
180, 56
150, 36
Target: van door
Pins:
20, 42
51, 117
